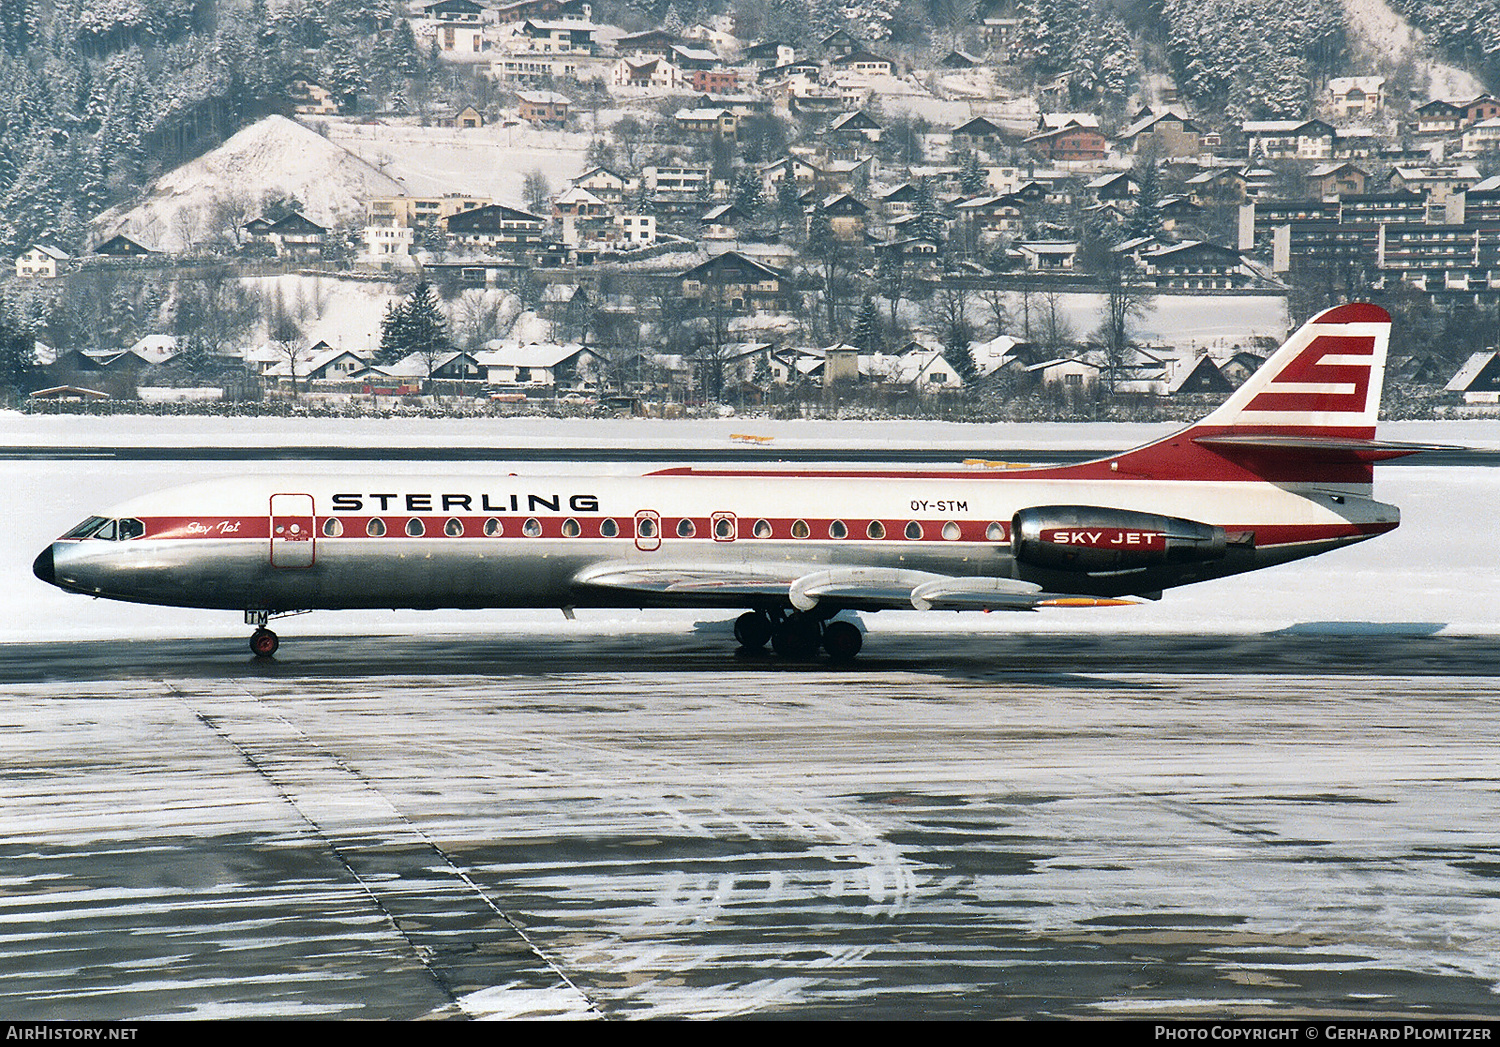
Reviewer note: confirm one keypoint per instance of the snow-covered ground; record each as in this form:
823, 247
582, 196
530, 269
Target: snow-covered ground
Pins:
1438, 572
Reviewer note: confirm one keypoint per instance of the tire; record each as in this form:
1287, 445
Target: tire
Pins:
263, 643
753, 630
842, 641
797, 638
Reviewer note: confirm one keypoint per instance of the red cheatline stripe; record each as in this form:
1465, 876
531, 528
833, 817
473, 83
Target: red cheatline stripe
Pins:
782, 529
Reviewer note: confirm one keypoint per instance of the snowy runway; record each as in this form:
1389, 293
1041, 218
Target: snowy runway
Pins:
304, 840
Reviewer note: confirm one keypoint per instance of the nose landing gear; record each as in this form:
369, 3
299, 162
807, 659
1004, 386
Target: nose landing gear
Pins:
263, 642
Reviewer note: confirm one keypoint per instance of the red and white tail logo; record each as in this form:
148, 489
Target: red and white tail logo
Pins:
1307, 416
1325, 380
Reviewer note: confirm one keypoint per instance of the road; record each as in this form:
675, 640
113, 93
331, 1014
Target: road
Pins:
622, 826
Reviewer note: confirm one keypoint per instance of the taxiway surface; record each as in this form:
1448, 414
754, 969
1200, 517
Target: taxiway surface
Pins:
1024, 826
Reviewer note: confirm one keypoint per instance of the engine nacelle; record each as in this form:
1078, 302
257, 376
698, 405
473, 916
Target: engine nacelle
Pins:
1090, 539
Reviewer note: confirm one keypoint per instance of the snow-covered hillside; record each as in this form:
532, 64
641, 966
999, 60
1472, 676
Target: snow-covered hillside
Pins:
1378, 32
275, 157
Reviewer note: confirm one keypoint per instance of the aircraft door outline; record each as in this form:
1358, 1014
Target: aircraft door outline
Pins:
724, 527
293, 526
648, 530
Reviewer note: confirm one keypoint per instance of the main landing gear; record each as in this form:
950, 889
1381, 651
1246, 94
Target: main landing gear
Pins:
798, 636
263, 642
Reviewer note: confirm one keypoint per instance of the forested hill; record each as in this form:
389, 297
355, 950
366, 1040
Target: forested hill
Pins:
103, 95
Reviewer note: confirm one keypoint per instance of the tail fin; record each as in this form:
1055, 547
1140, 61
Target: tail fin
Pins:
1306, 416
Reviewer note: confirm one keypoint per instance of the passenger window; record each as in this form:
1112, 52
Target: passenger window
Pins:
951, 531
685, 528
838, 530
532, 528
571, 529
876, 530
762, 528
914, 531
645, 527
375, 528
454, 528
608, 528
800, 529
333, 527
723, 528
493, 528
995, 532
414, 528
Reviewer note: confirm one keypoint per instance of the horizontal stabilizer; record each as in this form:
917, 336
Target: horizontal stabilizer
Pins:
1321, 448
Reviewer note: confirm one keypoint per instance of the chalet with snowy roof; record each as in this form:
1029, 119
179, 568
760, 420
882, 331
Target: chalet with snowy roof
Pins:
1048, 255
121, 246
556, 10
1199, 375
1218, 185
1439, 117
768, 54
454, 11
494, 225
864, 63
311, 99
839, 42
608, 185
1116, 186
654, 43
959, 60
42, 262
1331, 181
559, 37
720, 122
647, 74
466, 118
1167, 135
856, 125
1288, 139
538, 365
738, 284
1483, 137
990, 217
979, 134
543, 108
296, 236
846, 216
1194, 265
1478, 379
1485, 107
1356, 96
1073, 143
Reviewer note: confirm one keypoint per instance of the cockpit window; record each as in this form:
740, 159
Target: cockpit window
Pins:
85, 529
130, 529
106, 531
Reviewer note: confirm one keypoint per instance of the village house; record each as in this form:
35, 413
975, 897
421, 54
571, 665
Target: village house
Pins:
494, 225
1479, 379
41, 262
1166, 135
543, 108
1356, 96
735, 283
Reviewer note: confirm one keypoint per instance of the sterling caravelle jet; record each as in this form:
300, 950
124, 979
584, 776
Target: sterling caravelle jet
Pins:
1281, 471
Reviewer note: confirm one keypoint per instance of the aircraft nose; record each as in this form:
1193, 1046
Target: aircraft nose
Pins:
44, 568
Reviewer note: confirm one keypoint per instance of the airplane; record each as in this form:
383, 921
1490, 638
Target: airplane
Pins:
1282, 470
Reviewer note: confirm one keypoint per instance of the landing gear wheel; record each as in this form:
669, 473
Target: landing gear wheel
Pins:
753, 630
842, 641
797, 637
263, 643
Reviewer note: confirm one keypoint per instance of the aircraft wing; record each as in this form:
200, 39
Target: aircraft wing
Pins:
843, 588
